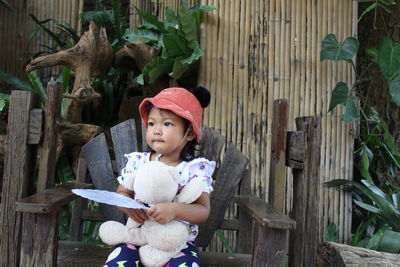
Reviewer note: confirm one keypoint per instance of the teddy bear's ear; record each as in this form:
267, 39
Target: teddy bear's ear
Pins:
129, 181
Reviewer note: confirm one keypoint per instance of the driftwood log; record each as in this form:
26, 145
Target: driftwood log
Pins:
90, 57
341, 255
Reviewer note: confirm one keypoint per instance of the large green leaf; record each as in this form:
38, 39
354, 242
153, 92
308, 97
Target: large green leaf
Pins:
37, 85
178, 69
332, 50
390, 242
175, 44
394, 89
339, 95
153, 20
195, 56
188, 24
389, 58
16, 82
351, 113
366, 156
331, 235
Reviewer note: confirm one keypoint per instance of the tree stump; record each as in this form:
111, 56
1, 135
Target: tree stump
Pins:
341, 255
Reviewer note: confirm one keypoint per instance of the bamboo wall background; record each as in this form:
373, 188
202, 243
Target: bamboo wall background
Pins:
16, 26
258, 51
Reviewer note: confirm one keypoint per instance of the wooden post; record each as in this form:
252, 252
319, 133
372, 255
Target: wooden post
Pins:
306, 186
17, 168
277, 176
246, 224
47, 154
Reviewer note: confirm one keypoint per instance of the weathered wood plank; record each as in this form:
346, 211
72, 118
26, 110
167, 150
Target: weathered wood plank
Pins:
306, 192
245, 234
50, 199
264, 213
89, 255
230, 173
39, 240
76, 222
295, 150
341, 255
17, 168
47, 151
124, 141
99, 164
35, 126
277, 175
270, 247
215, 144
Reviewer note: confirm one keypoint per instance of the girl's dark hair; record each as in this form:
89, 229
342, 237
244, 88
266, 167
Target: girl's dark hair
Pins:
203, 95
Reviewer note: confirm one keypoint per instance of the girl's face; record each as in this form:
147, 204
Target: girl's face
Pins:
166, 133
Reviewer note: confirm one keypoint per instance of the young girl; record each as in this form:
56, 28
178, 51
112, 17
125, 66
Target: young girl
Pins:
173, 121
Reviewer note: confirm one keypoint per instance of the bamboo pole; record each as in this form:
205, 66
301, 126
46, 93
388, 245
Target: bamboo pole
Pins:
235, 86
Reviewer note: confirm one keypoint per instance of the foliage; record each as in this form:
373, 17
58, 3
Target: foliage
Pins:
6, 4
177, 37
374, 6
385, 210
110, 16
331, 234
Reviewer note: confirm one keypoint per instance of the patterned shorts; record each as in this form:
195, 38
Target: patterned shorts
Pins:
127, 255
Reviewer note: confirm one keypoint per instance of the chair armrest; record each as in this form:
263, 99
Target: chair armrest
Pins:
50, 199
264, 213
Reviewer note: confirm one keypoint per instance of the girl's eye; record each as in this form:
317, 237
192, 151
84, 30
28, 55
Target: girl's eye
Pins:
167, 123
150, 123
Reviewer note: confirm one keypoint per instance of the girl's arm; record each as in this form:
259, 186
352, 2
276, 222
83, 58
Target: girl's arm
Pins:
138, 215
195, 213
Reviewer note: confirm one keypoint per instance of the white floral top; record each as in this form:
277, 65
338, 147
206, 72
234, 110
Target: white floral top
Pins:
198, 167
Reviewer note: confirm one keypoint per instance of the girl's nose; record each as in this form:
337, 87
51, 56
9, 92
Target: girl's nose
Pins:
157, 130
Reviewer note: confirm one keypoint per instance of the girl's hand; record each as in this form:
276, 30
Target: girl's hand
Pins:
138, 215
162, 212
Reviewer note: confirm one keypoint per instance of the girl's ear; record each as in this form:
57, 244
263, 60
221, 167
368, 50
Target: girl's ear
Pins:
191, 135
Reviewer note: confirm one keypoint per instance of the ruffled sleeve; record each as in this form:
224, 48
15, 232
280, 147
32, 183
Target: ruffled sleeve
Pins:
135, 160
204, 168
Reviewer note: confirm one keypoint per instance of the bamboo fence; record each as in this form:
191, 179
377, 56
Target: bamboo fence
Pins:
16, 27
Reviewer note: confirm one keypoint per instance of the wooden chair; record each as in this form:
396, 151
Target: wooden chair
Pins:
268, 247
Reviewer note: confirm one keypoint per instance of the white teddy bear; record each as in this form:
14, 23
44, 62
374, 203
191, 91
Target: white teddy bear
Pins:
154, 183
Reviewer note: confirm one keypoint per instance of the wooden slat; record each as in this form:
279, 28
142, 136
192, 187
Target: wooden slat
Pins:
231, 171
215, 143
265, 214
35, 126
17, 168
49, 200
99, 164
295, 150
124, 141
47, 151
39, 240
277, 175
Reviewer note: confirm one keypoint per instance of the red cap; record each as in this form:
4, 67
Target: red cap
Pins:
178, 100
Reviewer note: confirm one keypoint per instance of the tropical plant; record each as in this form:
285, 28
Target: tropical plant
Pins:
385, 210
374, 6
177, 37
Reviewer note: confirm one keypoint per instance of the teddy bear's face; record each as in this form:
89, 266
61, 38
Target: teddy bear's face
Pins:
156, 182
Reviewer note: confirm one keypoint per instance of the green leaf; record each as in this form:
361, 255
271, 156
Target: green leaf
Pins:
351, 112
390, 242
140, 79
375, 240
331, 49
331, 234
179, 68
195, 56
47, 30
175, 45
339, 95
4, 101
16, 82
188, 24
153, 20
394, 89
367, 10
224, 240
367, 207
37, 85
365, 162
65, 77
64, 170
389, 58
372, 53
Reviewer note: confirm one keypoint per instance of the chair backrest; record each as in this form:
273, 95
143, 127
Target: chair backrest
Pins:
231, 166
